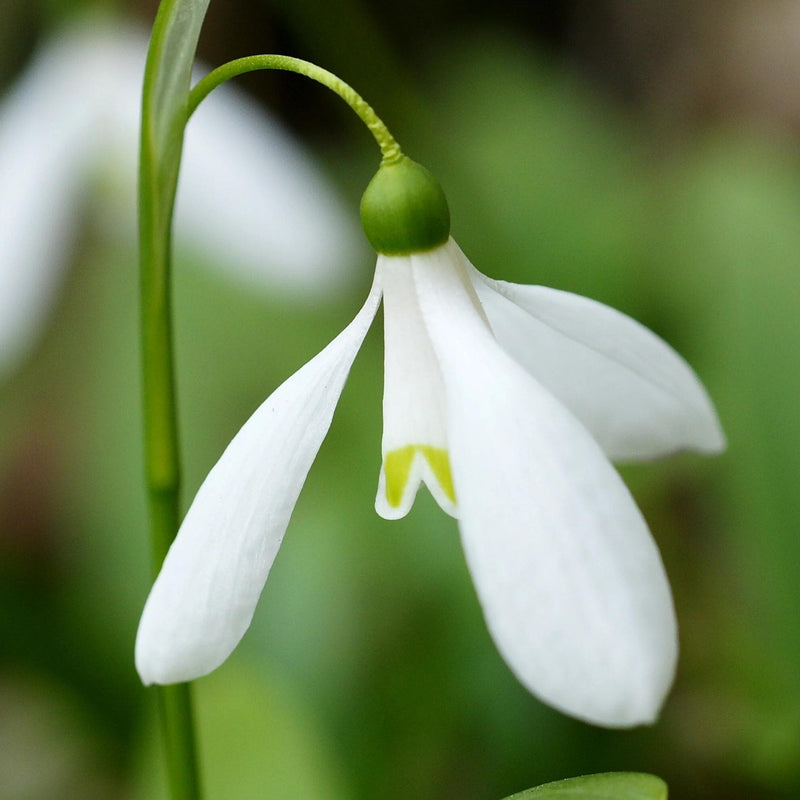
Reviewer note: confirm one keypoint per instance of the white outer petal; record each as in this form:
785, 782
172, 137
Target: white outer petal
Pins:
631, 390
46, 142
249, 198
251, 195
413, 395
206, 593
570, 580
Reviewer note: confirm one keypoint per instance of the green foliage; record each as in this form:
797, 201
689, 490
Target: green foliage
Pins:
605, 786
166, 90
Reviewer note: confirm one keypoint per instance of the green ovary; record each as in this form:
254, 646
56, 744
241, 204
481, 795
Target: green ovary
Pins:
397, 468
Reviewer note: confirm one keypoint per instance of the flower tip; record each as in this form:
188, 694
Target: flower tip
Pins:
146, 675
163, 657
628, 699
146, 681
640, 711
146, 665
620, 686
163, 669
717, 442
621, 710
703, 430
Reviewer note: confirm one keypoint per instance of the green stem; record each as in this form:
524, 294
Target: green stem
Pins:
175, 708
163, 471
390, 149
163, 119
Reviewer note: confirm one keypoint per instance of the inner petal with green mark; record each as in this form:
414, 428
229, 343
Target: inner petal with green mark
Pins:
435, 471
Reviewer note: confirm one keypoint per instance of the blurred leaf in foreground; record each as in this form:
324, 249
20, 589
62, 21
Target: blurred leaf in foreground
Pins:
605, 786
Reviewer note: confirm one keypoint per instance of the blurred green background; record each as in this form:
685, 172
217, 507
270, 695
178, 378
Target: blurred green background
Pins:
644, 154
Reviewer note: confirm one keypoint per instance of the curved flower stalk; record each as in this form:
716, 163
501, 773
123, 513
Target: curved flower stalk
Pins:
75, 111
507, 401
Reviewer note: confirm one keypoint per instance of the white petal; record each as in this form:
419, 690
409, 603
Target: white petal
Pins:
46, 141
633, 392
570, 580
204, 598
251, 196
413, 399
75, 101
250, 200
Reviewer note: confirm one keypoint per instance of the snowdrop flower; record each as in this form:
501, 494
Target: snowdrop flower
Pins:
507, 401
75, 111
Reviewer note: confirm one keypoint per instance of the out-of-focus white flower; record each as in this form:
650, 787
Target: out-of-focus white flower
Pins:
507, 401
249, 199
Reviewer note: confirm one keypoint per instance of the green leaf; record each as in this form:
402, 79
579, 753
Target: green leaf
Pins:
168, 73
165, 95
605, 786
